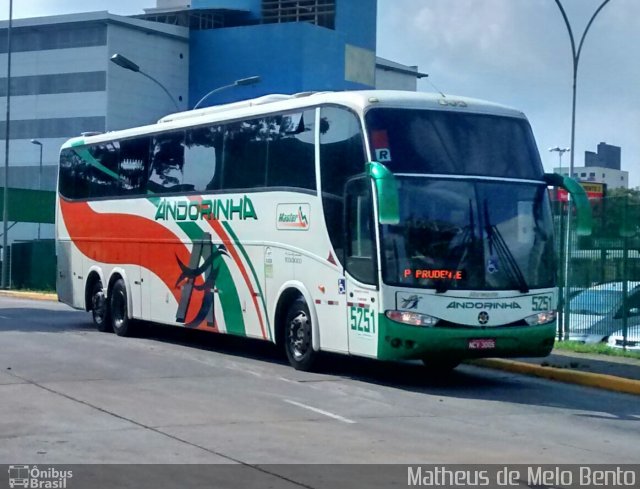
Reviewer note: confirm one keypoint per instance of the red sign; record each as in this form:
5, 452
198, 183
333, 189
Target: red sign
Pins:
593, 190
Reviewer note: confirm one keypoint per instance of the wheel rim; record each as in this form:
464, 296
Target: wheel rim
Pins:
118, 308
98, 305
299, 335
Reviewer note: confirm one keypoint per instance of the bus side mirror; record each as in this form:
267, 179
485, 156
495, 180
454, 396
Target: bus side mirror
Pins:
387, 190
578, 197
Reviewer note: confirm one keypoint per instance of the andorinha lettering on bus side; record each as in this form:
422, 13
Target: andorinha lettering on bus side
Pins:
533, 476
216, 209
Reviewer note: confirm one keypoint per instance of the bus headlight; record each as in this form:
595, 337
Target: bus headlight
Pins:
541, 318
412, 318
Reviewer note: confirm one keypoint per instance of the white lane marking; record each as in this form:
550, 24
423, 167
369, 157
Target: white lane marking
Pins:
5, 317
320, 411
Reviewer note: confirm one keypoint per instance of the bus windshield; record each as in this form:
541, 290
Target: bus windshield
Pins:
470, 235
453, 143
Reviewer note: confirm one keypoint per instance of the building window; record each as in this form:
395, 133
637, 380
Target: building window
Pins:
318, 12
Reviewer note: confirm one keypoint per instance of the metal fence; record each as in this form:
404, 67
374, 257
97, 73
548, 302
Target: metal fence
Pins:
599, 274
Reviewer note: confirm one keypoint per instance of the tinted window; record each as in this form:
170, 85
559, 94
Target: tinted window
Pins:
245, 154
291, 155
73, 182
167, 163
342, 156
134, 165
202, 157
102, 172
441, 142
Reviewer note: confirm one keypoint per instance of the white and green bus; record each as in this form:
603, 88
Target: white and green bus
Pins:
384, 224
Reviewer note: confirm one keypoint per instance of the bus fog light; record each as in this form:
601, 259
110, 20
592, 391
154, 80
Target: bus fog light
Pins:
412, 318
541, 318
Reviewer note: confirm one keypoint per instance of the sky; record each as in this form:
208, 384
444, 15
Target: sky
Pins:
514, 52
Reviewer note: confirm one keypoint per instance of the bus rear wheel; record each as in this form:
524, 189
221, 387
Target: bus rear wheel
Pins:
99, 307
118, 311
297, 338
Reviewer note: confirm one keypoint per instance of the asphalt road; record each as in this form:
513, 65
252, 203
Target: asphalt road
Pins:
69, 394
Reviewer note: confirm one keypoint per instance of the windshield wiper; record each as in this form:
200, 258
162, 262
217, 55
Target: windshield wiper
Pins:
502, 250
467, 241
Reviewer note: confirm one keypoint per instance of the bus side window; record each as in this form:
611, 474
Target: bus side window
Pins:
202, 152
73, 183
245, 154
342, 156
102, 174
291, 157
134, 165
167, 163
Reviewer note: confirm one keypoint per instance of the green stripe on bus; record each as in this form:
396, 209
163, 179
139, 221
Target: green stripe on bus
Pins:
228, 295
253, 272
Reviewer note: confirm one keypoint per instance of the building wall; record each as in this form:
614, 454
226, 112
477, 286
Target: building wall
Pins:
608, 156
356, 21
56, 92
289, 58
63, 84
134, 100
253, 6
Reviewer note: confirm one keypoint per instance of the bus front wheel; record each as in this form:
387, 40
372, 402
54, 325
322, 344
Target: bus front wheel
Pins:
297, 338
118, 310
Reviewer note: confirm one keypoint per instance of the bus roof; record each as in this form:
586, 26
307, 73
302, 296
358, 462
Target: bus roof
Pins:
358, 101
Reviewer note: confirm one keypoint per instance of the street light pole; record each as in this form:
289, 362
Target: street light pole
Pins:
241, 82
36, 142
5, 197
575, 56
127, 64
563, 291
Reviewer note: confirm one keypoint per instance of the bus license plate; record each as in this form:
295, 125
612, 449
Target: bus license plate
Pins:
482, 344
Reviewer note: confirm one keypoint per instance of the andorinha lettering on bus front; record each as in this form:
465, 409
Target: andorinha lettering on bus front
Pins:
216, 209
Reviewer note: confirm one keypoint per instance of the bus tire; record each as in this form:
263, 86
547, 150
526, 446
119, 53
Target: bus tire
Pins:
297, 336
118, 311
99, 308
440, 365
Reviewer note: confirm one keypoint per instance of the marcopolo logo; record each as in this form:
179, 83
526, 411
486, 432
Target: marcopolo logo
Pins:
37, 478
293, 216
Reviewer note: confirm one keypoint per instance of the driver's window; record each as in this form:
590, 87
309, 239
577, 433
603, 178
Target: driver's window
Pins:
360, 240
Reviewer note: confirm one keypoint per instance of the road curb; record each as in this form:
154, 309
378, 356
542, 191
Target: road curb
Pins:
600, 381
19, 294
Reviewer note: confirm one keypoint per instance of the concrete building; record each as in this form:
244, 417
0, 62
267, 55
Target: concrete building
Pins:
607, 156
62, 83
601, 167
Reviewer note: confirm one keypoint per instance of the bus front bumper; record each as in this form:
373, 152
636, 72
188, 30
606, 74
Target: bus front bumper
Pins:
397, 341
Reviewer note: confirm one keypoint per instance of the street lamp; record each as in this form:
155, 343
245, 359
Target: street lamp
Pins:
560, 152
127, 64
38, 143
575, 56
241, 82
